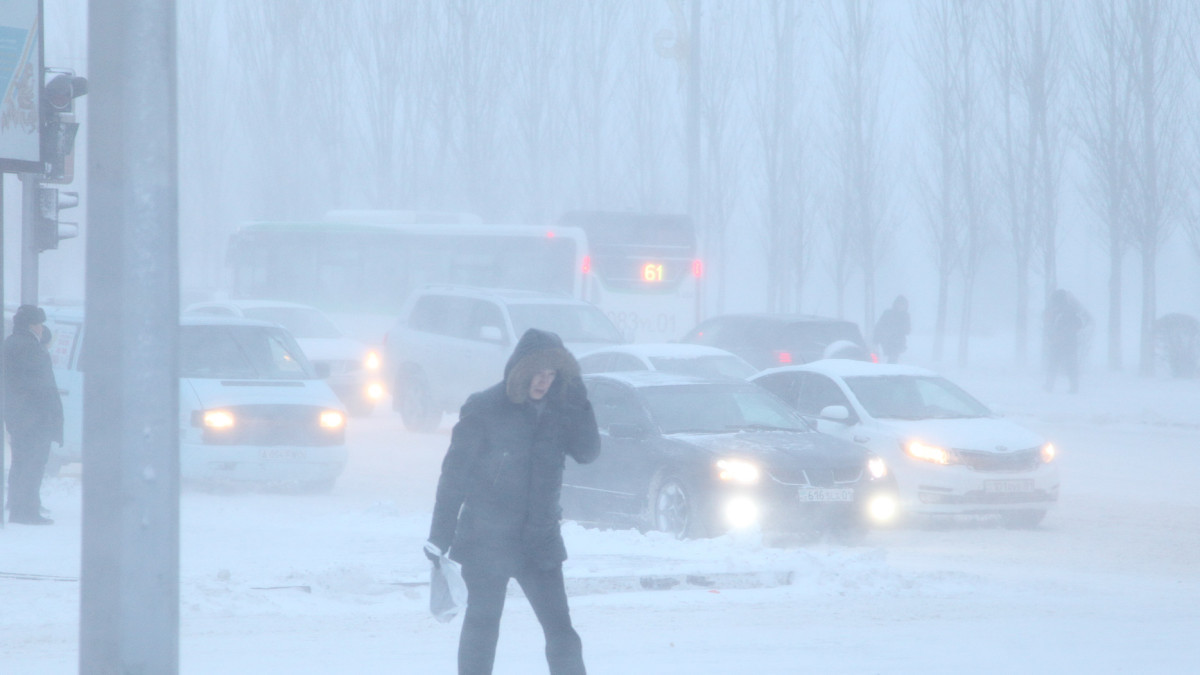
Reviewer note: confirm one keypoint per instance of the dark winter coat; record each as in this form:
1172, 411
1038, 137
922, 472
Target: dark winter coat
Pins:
498, 496
32, 407
891, 331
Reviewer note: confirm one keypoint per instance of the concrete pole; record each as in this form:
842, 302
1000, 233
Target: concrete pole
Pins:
129, 595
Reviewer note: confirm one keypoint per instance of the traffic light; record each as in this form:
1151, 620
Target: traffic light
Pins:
49, 230
59, 126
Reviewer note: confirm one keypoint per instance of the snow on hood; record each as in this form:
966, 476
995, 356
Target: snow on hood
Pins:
987, 434
332, 349
778, 448
212, 393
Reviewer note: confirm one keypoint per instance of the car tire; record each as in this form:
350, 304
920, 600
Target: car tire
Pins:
674, 507
1022, 520
415, 402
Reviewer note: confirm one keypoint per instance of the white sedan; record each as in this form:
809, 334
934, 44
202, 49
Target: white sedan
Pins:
667, 357
948, 452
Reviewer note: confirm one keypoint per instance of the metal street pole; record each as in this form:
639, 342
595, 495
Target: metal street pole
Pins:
129, 594
29, 252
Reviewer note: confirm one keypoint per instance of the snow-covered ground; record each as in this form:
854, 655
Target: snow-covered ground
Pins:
276, 583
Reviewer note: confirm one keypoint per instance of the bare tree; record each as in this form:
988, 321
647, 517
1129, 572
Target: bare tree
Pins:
595, 30
857, 69
1103, 120
777, 86
1154, 66
476, 78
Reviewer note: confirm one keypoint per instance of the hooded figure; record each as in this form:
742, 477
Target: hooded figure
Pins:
497, 508
33, 413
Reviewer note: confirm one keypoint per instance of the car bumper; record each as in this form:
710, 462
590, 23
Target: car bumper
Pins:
955, 490
776, 507
262, 464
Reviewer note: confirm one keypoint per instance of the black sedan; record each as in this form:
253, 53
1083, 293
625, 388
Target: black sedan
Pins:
696, 457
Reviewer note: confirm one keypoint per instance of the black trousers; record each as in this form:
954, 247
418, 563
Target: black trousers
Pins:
29, 456
485, 603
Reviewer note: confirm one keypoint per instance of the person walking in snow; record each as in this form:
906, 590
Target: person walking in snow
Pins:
33, 414
497, 508
891, 331
1064, 321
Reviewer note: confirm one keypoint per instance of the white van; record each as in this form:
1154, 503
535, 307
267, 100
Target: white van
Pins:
251, 407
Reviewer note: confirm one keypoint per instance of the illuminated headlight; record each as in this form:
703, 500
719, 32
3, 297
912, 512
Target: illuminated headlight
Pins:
928, 453
881, 508
737, 471
741, 512
375, 391
218, 419
1049, 453
876, 467
372, 361
332, 419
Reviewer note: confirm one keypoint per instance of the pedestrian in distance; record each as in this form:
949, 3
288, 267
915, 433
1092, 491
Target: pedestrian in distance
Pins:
33, 414
497, 510
1064, 320
892, 329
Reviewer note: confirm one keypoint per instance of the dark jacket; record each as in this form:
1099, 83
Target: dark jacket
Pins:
32, 407
498, 496
891, 331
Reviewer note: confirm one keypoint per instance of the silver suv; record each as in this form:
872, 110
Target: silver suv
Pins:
452, 341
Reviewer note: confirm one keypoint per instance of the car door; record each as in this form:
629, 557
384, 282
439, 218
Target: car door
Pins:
612, 488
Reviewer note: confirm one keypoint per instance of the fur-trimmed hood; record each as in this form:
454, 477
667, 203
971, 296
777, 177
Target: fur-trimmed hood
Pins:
538, 350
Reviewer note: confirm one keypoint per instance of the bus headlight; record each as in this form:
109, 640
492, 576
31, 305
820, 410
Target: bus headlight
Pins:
737, 471
332, 419
372, 361
218, 420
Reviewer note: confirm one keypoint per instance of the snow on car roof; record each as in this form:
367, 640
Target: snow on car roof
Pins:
852, 368
247, 304
664, 349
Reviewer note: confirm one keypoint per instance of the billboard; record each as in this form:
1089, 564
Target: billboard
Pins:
21, 85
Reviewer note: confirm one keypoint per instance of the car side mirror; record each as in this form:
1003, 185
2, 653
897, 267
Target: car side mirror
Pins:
322, 369
491, 333
836, 413
627, 430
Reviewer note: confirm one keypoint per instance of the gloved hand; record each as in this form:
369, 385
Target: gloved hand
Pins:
433, 553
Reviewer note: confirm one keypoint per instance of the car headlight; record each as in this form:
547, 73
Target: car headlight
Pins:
218, 419
372, 361
332, 419
1049, 452
375, 391
928, 453
737, 471
876, 467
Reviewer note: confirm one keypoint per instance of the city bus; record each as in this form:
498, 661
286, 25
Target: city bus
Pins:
642, 270
360, 266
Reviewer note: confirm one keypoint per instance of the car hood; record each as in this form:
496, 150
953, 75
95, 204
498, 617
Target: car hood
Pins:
578, 349
212, 393
985, 434
332, 349
778, 448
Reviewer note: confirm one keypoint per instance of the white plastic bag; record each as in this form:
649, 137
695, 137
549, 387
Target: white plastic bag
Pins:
447, 590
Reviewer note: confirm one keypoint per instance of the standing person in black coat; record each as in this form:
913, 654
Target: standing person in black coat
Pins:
497, 508
1065, 319
33, 414
891, 331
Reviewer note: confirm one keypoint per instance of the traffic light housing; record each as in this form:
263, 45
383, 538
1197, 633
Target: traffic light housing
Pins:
59, 126
49, 230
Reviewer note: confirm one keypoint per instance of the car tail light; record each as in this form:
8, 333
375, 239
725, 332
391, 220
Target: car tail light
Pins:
783, 357
874, 357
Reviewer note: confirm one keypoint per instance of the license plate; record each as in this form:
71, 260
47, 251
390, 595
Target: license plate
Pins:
1008, 486
826, 494
276, 454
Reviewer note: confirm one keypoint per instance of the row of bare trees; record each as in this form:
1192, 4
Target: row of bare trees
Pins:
825, 133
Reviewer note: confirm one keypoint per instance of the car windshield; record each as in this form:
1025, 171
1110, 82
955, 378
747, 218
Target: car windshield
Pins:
302, 322
704, 366
572, 323
713, 408
914, 397
244, 352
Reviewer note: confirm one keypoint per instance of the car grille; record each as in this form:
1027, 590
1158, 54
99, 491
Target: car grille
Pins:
817, 477
1021, 460
268, 425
